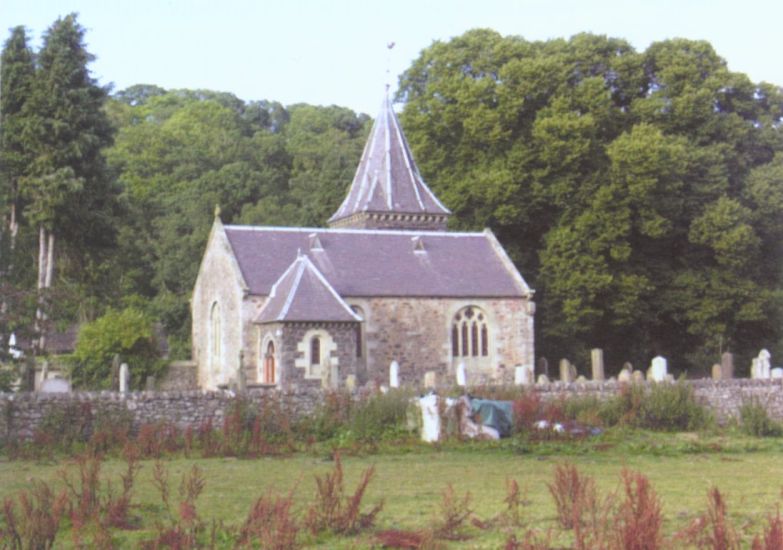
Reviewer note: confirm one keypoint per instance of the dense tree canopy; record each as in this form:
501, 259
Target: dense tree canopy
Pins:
629, 186
640, 193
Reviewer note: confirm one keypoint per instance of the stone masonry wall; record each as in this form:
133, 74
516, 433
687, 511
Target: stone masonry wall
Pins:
416, 332
723, 397
21, 414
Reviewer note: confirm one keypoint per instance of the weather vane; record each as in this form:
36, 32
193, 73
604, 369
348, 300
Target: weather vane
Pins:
389, 47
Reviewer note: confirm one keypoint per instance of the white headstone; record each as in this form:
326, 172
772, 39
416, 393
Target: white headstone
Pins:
55, 385
624, 376
461, 375
15, 352
124, 378
542, 379
430, 425
659, 369
754, 368
776, 373
394, 374
429, 379
350, 382
764, 364
523, 375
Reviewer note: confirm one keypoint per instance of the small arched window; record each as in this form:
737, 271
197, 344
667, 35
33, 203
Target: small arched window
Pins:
269, 364
315, 351
470, 333
359, 331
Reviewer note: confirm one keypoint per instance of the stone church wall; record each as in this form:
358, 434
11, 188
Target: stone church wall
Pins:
416, 332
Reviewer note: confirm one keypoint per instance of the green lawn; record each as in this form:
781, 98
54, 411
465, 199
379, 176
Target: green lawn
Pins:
749, 474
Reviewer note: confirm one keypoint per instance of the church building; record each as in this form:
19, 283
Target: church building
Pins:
386, 282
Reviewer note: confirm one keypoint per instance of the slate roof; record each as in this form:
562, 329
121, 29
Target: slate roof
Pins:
303, 294
387, 179
367, 263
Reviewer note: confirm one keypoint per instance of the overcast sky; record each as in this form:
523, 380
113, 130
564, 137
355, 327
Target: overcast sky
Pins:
334, 51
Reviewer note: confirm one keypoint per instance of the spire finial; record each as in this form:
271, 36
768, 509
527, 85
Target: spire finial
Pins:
217, 210
389, 46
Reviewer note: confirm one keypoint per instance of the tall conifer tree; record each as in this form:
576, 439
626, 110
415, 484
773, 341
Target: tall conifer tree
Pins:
67, 190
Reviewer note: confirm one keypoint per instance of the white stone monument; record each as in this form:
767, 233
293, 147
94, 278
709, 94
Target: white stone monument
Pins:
394, 375
523, 375
764, 364
55, 385
462, 375
658, 369
350, 382
430, 380
124, 378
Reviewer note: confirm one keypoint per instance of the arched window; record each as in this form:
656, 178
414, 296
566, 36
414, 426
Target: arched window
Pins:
269, 364
315, 351
470, 333
215, 340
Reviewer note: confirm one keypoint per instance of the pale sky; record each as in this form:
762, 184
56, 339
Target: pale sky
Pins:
334, 51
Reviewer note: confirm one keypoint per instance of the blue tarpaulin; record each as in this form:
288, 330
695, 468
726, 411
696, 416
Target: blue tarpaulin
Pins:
495, 414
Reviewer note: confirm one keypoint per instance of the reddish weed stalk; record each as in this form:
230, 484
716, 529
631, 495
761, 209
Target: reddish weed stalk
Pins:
270, 524
712, 530
773, 534
573, 492
639, 519
36, 521
333, 510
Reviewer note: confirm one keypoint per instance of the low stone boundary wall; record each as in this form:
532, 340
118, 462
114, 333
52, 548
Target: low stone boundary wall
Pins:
21, 414
723, 397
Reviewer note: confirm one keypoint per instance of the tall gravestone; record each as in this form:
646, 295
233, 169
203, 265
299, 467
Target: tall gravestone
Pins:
394, 375
658, 369
523, 375
543, 366
124, 375
727, 365
567, 371
597, 363
461, 375
765, 367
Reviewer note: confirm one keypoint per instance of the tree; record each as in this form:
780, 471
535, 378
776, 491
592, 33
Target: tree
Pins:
636, 191
128, 333
67, 191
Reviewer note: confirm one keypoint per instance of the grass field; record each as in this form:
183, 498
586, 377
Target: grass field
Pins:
681, 467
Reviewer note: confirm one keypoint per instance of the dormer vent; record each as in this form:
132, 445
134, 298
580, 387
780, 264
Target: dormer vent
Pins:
418, 244
315, 242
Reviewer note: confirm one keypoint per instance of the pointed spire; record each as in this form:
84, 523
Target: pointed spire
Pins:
387, 190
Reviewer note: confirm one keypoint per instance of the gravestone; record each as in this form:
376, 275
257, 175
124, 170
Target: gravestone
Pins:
430, 379
567, 371
637, 377
55, 385
124, 375
625, 376
764, 364
727, 365
394, 374
523, 375
581, 379
115, 373
543, 366
461, 375
597, 363
754, 368
717, 372
658, 369
776, 373
542, 379
350, 382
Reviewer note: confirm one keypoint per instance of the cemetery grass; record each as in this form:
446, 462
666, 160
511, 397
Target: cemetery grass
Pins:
411, 480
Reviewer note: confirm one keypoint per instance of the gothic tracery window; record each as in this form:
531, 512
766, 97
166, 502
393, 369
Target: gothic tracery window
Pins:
470, 333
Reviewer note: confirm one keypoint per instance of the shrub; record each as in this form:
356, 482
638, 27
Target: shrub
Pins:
583, 409
639, 519
454, 512
526, 409
755, 421
672, 407
333, 510
63, 427
712, 530
183, 528
36, 521
773, 534
380, 416
128, 333
574, 493
270, 524
624, 407
330, 416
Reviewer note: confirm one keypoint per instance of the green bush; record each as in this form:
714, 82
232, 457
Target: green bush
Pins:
671, 407
755, 421
380, 416
128, 333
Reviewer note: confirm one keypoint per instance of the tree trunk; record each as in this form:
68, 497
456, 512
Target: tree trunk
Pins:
45, 275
